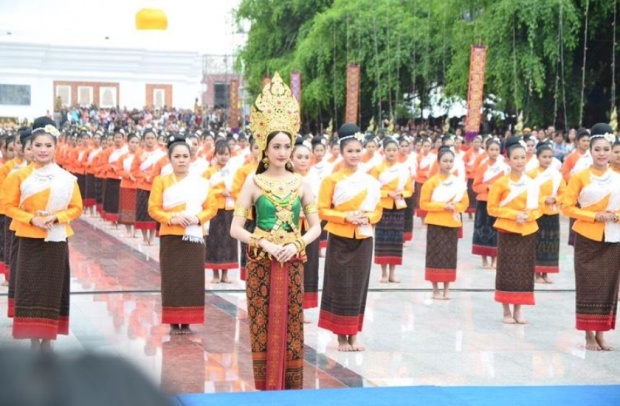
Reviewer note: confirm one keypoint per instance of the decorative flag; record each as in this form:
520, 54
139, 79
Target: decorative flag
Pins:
233, 105
353, 93
296, 86
475, 93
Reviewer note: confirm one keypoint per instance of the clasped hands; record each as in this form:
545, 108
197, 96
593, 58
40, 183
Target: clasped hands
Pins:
522, 217
357, 218
281, 253
606, 216
184, 220
44, 222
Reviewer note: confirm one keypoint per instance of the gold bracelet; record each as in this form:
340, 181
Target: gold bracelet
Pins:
310, 208
241, 211
300, 243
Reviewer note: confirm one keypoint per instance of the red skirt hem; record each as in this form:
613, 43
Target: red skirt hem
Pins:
518, 298
595, 322
323, 244
407, 236
221, 266
145, 225
183, 315
349, 325
311, 300
89, 202
10, 311
388, 260
547, 269
45, 329
484, 251
243, 274
439, 275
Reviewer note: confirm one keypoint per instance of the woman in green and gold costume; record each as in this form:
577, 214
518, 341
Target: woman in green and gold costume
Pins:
276, 249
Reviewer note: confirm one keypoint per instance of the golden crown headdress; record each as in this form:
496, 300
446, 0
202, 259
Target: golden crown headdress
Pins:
275, 109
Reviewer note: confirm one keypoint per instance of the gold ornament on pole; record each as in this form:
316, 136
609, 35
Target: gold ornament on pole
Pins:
613, 120
151, 19
519, 125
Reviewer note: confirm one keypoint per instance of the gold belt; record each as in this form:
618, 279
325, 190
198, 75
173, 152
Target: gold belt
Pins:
279, 236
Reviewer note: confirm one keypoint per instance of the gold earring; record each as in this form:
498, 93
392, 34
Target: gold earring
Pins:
289, 165
266, 162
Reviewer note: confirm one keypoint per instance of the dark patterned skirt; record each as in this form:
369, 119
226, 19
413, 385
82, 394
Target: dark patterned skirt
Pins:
516, 260
323, 236
408, 230
3, 268
127, 206
6, 242
90, 196
11, 256
249, 226
597, 269
99, 186
418, 191
222, 249
81, 181
571, 233
143, 220
311, 276
182, 280
111, 199
441, 253
389, 238
345, 284
275, 311
472, 196
548, 244
41, 289
485, 236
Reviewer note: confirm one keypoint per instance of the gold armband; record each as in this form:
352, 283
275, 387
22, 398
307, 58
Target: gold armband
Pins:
311, 208
241, 211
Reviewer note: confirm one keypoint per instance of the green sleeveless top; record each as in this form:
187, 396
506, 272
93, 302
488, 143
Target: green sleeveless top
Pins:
279, 205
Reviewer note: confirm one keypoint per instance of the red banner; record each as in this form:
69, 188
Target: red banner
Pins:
353, 93
233, 104
475, 93
296, 86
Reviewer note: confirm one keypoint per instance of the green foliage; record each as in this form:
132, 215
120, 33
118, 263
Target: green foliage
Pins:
406, 48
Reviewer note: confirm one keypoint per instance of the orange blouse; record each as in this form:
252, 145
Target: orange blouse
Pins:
163, 216
22, 213
436, 211
482, 186
585, 225
219, 190
507, 214
336, 215
388, 202
546, 190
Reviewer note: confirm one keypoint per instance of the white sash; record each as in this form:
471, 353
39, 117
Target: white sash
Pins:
428, 160
127, 162
352, 186
397, 170
225, 176
451, 190
198, 167
524, 185
166, 170
117, 154
151, 158
582, 163
191, 191
599, 188
495, 169
93, 154
61, 184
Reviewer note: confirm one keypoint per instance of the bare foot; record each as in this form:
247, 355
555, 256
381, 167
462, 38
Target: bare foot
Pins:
185, 330
355, 345
384, 279
226, 280
602, 343
437, 296
215, 280
540, 279
520, 320
5, 283
446, 297
393, 281
547, 280
592, 344
46, 345
509, 320
35, 344
175, 330
343, 343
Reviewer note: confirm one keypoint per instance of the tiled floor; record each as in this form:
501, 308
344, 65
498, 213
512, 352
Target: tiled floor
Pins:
410, 339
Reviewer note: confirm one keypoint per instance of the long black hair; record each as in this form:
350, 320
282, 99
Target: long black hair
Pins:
261, 165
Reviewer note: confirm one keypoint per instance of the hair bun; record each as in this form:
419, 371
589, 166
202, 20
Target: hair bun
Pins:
173, 139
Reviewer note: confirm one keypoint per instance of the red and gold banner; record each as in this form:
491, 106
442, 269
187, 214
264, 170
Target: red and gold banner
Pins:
296, 86
475, 93
353, 93
233, 104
